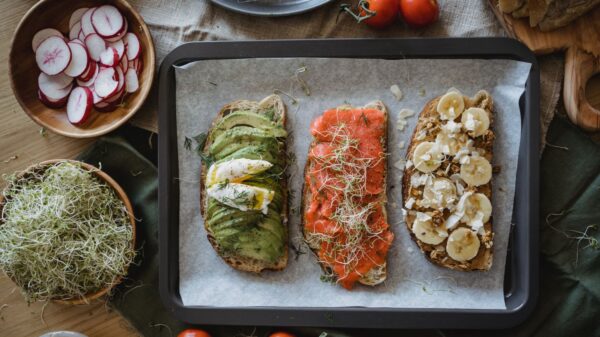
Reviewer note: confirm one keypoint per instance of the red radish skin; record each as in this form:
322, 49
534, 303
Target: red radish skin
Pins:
79, 105
53, 55
95, 98
120, 35
89, 74
106, 83
74, 31
79, 60
119, 47
110, 57
131, 81
76, 16
81, 36
132, 46
86, 22
42, 35
95, 46
107, 21
121, 78
52, 104
106, 107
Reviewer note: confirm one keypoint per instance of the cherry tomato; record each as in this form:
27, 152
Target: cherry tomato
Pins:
281, 334
193, 333
419, 13
382, 12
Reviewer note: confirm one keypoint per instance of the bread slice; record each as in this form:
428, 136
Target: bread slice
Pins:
377, 274
267, 105
426, 130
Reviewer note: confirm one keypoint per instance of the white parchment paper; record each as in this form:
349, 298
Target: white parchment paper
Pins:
203, 87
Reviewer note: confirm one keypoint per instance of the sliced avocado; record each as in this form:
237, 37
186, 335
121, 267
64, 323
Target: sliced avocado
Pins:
259, 244
226, 150
240, 218
246, 118
242, 134
257, 152
273, 226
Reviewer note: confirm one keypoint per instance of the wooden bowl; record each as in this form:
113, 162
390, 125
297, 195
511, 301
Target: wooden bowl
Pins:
24, 72
120, 193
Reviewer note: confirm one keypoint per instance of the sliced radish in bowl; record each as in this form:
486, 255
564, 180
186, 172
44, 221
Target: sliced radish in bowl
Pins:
76, 16
119, 47
86, 22
53, 93
53, 104
88, 75
79, 60
42, 35
59, 81
75, 30
95, 46
53, 55
132, 46
79, 105
120, 35
107, 82
110, 57
107, 21
131, 81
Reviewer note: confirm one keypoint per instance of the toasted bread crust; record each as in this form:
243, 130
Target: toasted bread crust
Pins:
436, 253
240, 262
381, 274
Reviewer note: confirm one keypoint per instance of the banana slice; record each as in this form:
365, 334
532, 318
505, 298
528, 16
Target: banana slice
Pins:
451, 105
476, 171
476, 121
450, 144
478, 210
426, 231
427, 157
463, 244
439, 194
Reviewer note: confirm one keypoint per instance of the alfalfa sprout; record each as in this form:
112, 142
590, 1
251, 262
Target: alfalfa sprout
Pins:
64, 233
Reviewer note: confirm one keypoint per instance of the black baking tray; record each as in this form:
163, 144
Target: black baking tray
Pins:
522, 269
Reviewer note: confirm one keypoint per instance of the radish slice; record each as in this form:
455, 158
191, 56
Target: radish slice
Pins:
124, 64
132, 44
75, 30
86, 22
79, 105
95, 98
121, 78
79, 60
54, 87
42, 35
106, 83
76, 16
120, 35
119, 47
81, 36
91, 78
106, 107
131, 81
53, 55
116, 98
53, 104
95, 45
90, 72
107, 21
110, 57
59, 81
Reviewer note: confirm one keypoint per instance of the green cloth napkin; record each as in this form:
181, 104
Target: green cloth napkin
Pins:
569, 301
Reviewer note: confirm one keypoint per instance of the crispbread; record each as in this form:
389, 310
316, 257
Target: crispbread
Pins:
429, 119
376, 275
241, 262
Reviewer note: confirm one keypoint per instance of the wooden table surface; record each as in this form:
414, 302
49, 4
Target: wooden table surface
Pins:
21, 144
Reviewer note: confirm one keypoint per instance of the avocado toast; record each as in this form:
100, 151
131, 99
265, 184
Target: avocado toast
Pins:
446, 187
243, 185
344, 195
